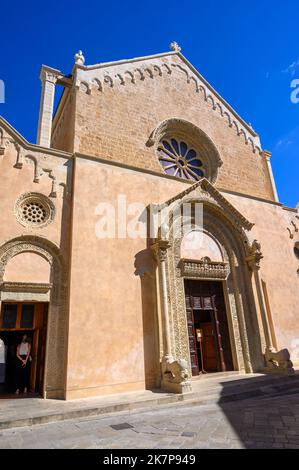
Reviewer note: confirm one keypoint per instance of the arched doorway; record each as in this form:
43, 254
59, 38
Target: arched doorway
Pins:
33, 301
221, 272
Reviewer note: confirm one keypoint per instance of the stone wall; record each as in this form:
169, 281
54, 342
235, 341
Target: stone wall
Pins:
117, 108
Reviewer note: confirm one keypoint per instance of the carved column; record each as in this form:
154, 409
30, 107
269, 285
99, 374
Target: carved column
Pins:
253, 262
174, 371
48, 77
160, 251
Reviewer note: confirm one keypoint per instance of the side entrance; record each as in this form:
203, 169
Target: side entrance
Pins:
16, 320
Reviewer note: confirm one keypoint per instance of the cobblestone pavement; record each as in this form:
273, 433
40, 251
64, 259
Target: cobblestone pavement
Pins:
272, 422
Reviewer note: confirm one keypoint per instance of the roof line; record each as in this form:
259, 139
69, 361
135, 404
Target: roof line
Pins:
194, 70
27, 145
124, 61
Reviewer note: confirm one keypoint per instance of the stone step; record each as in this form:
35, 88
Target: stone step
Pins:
222, 389
248, 381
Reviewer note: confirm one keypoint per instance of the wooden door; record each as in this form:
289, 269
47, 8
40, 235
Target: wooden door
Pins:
209, 350
192, 339
207, 296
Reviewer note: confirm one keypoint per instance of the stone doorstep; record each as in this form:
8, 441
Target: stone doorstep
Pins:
212, 395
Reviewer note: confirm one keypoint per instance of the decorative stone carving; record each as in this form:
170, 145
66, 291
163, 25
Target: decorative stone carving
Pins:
229, 228
174, 46
175, 376
28, 154
203, 191
279, 361
255, 256
50, 76
34, 210
79, 58
2, 148
25, 287
196, 140
204, 269
293, 227
160, 250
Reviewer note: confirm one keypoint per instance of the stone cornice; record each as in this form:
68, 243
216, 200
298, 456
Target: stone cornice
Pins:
35, 157
41, 288
28, 146
125, 61
204, 269
215, 194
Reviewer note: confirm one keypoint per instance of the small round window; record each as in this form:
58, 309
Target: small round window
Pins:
35, 210
179, 159
296, 250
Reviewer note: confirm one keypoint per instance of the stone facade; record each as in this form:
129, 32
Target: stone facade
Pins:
117, 313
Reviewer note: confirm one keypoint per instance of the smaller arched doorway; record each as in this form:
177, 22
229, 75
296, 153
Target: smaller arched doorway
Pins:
24, 311
33, 302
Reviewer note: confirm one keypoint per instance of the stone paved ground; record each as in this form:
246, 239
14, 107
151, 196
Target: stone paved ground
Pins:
272, 422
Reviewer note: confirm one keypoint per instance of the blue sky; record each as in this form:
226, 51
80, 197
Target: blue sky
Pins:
249, 52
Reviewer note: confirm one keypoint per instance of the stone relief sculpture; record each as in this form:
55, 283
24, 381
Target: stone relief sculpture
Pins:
177, 371
279, 361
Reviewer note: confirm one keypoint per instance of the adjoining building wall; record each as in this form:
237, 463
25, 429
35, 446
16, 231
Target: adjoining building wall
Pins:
35, 254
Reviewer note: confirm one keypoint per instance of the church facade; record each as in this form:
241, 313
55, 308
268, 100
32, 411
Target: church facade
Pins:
142, 241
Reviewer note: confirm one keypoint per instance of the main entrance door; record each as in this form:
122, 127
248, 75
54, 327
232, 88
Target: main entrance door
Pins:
17, 319
209, 341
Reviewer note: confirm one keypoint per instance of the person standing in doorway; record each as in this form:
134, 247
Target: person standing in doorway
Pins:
23, 365
2, 361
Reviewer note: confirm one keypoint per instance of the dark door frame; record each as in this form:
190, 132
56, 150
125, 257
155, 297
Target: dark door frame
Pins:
38, 332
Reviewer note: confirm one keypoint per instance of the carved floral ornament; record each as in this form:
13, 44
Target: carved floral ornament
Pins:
204, 269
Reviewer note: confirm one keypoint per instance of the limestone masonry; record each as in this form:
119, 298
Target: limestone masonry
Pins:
114, 314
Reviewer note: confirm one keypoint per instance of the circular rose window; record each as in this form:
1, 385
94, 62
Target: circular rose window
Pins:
35, 210
179, 159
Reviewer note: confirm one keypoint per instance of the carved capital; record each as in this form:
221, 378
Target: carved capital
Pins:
255, 256
160, 249
48, 74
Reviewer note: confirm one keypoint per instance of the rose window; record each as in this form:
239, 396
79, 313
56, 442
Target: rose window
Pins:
34, 209
34, 212
178, 159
